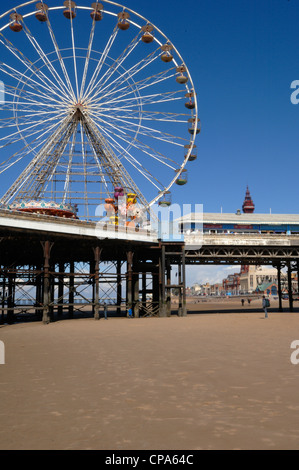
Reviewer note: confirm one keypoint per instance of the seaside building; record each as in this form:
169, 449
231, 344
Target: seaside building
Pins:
267, 288
246, 222
231, 285
251, 277
248, 206
207, 289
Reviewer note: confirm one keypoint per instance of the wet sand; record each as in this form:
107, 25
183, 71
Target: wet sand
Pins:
221, 381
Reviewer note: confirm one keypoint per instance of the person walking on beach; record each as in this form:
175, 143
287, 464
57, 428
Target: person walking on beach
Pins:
266, 304
242, 301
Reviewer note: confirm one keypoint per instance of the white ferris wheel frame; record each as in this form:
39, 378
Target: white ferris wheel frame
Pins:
135, 14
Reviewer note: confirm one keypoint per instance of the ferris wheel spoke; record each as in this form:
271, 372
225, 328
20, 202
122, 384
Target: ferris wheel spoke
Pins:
138, 86
156, 98
24, 120
11, 139
135, 163
38, 87
114, 67
33, 97
94, 78
60, 59
45, 162
145, 148
12, 105
147, 131
74, 56
26, 150
67, 184
87, 60
45, 60
28, 114
85, 168
149, 152
130, 73
30, 107
68, 173
131, 160
99, 165
30, 66
154, 116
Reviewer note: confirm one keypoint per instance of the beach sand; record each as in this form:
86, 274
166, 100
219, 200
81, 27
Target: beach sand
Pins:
205, 381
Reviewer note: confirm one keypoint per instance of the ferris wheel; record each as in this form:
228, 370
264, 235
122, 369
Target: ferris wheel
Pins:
97, 102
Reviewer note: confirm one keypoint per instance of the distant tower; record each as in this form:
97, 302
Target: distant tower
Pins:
248, 206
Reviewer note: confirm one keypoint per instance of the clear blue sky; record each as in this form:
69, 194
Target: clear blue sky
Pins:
243, 56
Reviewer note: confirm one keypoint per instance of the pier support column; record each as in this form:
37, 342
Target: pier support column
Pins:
96, 295
290, 286
155, 288
118, 287
184, 305
52, 291
129, 281
143, 295
91, 281
3, 295
180, 309
46, 281
162, 297
60, 289
71, 289
11, 297
279, 286
135, 288
168, 291
38, 292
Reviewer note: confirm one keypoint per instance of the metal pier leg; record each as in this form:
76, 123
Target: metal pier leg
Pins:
162, 303
143, 305
46, 284
118, 288
11, 297
97, 255
135, 281
180, 309
60, 289
52, 292
168, 293
71, 289
38, 292
91, 273
155, 288
279, 286
290, 286
3, 297
184, 307
129, 281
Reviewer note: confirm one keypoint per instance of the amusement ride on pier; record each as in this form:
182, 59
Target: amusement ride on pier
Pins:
98, 103
99, 109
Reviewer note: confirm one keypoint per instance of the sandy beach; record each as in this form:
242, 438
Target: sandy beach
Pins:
205, 381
